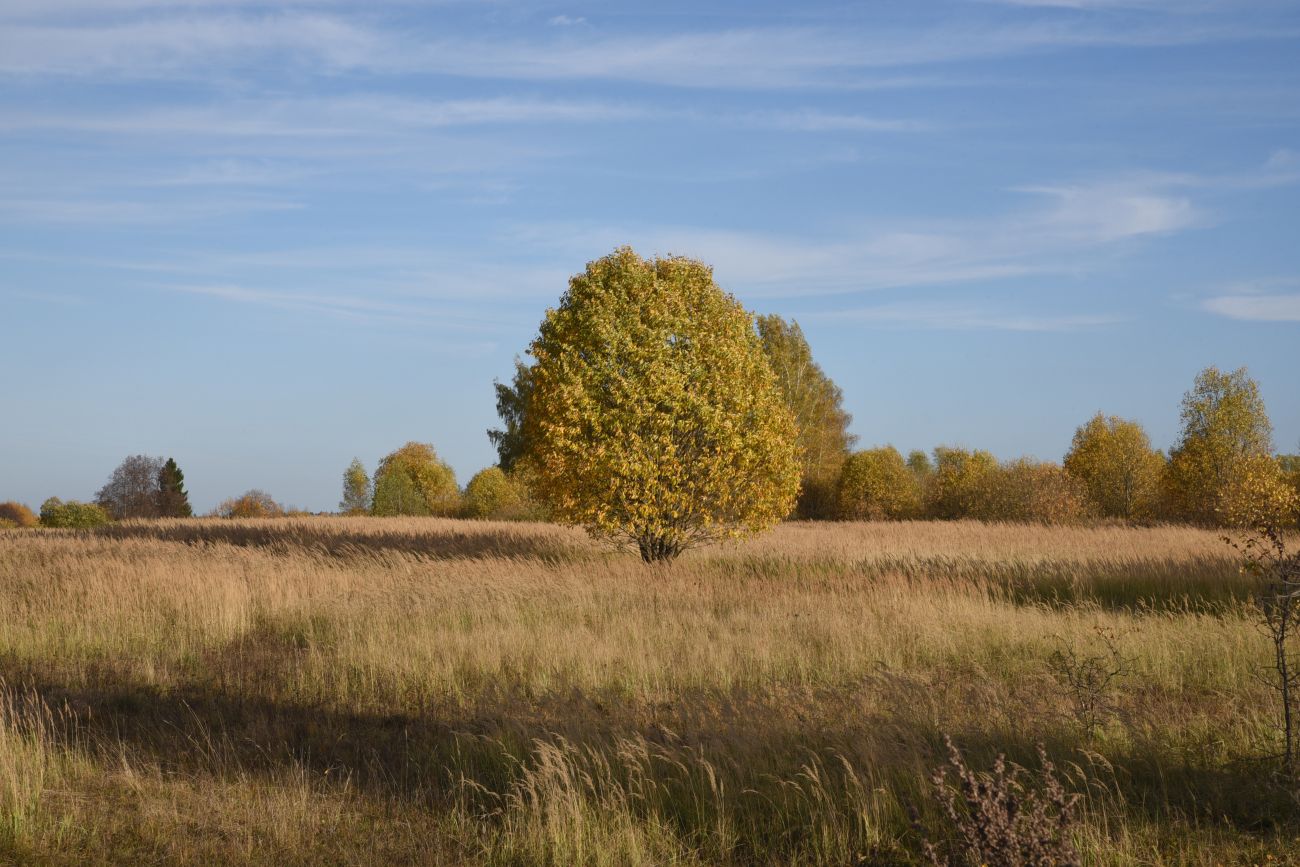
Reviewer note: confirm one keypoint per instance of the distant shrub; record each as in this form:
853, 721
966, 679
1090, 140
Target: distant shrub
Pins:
876, 484
958, 483
1036, 491
6, 524
57, 513
251, 504
17, 514
489, 493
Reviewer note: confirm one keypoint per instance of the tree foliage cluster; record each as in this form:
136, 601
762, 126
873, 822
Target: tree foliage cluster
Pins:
14, 514
659, 413
655, 419
254, 503
73, 514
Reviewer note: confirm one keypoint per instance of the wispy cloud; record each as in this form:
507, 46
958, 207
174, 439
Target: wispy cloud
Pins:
110, 211
1259, 308
368, 115
354, 308
957, 317
1059, 234
813, 120
187, 44
1268, 300
1112, 211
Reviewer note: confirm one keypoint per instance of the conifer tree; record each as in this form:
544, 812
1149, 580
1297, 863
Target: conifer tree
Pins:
173, 500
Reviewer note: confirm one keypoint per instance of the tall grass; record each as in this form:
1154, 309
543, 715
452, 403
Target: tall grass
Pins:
300, 690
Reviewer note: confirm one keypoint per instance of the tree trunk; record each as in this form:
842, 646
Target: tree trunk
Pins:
658, 549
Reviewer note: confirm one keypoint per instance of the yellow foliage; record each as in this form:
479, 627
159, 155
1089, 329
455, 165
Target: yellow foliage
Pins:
494, 493
414, 481
956, 487
17, 514
1260, 494
817, 406
876, 484
250, 504
1029, 490
655, 419
1113, 458
1225, 426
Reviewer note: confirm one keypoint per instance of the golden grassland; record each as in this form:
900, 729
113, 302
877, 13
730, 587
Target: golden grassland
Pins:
361, 690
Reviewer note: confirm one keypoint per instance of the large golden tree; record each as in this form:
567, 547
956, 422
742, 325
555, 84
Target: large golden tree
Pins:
654, 418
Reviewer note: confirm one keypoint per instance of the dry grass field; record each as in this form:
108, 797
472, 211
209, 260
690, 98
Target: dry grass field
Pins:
368, 691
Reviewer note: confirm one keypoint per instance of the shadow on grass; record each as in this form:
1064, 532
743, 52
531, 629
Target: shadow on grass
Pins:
475, 753
440, 540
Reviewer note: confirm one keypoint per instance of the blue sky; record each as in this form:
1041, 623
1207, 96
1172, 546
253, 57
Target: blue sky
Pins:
264, 238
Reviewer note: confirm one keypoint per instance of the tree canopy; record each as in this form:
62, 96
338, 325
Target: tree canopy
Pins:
173, 500
1113, 458
876, 484
1224, 425
958, 484
414, 481
254, 503
655, 418
356, 489
493, 493
132, 491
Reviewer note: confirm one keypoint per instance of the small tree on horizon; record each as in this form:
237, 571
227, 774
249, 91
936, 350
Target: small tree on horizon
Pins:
1225, 428
173, 500
414, 481
132, 490
356, 489
1114, 459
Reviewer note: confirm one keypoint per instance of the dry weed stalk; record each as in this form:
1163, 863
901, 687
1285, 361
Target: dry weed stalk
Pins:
995, 818
1089, 677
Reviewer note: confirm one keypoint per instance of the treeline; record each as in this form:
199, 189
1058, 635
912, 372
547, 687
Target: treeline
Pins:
140, 487
1221, 471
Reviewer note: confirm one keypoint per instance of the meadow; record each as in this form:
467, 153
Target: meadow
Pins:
407, 690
